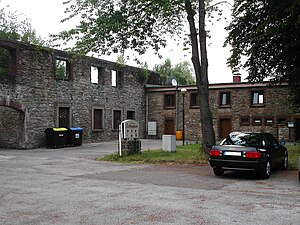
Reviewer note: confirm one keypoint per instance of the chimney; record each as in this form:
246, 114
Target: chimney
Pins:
237, 78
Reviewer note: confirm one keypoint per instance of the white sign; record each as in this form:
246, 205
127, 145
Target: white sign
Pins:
152, 128
129, 129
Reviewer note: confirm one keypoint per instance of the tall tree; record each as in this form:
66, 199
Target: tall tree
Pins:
13, 27
112, 26
181, 71
267, 33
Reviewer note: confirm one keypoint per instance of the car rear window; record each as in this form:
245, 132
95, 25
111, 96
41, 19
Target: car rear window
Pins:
243, 139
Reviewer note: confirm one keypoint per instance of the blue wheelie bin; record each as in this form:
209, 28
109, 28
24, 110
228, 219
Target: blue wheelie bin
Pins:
74, 136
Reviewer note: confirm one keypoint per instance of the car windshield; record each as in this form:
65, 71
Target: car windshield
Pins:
243, 139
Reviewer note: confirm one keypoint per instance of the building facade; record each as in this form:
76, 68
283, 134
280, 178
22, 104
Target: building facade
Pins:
43, 88
235, 106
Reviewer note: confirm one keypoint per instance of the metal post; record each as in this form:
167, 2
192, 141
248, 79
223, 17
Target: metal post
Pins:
183, 92
176, 107
183, 117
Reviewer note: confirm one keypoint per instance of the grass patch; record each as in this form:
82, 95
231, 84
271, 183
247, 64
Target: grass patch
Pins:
294, 153
188, 154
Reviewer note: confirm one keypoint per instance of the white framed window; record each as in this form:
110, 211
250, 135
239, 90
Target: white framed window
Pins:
257, 98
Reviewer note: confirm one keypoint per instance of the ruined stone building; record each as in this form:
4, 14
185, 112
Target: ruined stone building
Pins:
43, 88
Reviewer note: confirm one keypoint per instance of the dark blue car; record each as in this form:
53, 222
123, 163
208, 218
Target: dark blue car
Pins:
248, 151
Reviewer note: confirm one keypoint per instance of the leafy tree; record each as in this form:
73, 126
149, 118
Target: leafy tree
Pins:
267, 34
108, 26
121, 61
16, 29
180, 71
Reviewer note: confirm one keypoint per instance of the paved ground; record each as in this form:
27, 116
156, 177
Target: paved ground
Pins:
67, 186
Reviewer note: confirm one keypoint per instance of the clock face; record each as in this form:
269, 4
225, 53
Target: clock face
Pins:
174, 82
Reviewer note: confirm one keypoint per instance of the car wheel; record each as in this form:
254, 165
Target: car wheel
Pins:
284, 163
266, 172
218, 171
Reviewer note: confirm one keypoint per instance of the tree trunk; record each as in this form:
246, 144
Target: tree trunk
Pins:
208, 135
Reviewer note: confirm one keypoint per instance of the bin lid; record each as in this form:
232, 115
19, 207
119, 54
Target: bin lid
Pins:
60, 129
76, 129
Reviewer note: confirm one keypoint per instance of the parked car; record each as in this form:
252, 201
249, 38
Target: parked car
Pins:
248, 151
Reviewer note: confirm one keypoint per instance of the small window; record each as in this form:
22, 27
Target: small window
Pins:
194, 101
282, 121
245, 121
116, 119
94, 75
8, 62
225, 99
257, 121
130, 115
62, 69
116, 78
257, 98
97, 119
170, 101
269, 121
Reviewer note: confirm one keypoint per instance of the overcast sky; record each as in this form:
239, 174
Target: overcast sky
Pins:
45, 16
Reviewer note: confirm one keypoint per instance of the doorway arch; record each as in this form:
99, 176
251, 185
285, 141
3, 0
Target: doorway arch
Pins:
12, 125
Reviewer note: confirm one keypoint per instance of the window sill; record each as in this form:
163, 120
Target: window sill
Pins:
225, 106
258, 105
98, 130
170, 107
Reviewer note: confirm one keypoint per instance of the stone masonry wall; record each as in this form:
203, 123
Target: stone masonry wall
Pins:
275, 107
37, 94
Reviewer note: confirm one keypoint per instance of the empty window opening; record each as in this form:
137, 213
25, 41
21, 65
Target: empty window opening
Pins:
8, 62
97, 119
62, 70
5, 59
116, 78
94, 75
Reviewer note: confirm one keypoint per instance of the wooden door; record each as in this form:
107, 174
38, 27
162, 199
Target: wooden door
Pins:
169, 127
64, 117
225, 127
297, 126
